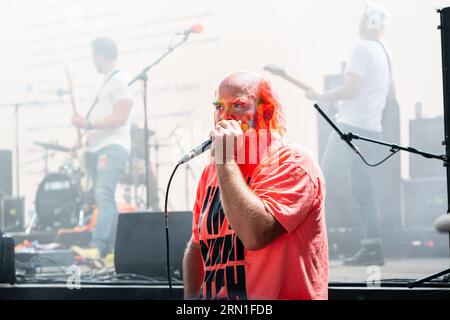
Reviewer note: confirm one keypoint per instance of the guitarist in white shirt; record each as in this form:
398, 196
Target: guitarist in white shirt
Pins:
107, 126
362, 97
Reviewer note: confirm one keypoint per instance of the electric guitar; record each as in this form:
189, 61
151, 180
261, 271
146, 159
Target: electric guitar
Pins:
86, 182
329, 108
282, 73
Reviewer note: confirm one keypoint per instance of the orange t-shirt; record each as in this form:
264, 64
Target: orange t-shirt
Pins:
293, 266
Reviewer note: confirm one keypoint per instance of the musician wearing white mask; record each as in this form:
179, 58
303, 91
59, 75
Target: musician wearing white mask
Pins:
360, 100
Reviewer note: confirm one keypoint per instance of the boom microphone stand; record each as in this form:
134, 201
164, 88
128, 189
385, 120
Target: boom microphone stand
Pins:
445, 52
142, 76
348, 137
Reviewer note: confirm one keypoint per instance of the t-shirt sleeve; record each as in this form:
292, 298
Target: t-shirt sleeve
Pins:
287, 191
121, 90
360, 60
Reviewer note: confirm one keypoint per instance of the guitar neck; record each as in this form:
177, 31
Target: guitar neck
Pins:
295, 82
72, 100
74, 110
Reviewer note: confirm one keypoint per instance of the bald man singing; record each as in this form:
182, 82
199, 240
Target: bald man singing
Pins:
258, 221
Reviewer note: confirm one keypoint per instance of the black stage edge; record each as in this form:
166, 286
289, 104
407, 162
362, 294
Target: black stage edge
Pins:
89, 292
337, 291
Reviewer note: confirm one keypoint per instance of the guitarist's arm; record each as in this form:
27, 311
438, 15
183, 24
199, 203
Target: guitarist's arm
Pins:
347, 90
122, 109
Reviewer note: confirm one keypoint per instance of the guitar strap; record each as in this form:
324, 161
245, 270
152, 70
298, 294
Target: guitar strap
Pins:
99, 92
388, 61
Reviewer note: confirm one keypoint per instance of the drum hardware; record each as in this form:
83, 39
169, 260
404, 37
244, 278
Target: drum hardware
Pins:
32, 224
46, 157
60, 201
52, 146
134, 177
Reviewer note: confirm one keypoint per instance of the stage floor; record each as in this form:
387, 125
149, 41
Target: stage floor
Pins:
395, 268
345, 283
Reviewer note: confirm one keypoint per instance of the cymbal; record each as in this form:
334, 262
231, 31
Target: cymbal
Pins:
52, 146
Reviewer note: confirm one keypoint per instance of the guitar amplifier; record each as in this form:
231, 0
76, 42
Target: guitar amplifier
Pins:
12, 216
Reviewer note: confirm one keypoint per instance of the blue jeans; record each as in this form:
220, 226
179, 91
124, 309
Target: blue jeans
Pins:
106, 168
342, 166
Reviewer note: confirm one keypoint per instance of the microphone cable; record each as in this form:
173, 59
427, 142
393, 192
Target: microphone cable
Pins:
393, 151
166, 218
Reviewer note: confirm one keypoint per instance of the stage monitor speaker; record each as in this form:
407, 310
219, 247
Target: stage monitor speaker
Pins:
5, 173
141, 243
12, 216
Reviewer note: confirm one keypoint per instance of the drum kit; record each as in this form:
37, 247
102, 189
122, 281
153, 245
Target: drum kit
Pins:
60, 201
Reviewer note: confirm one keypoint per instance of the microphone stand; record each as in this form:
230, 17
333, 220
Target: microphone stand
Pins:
444, 27
17, 106
348, 137
142, 76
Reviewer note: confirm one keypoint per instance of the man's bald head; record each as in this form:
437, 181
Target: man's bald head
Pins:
242, 83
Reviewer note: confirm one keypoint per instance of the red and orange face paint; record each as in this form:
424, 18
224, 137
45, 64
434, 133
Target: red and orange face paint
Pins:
241, 109
254, 104
261, 112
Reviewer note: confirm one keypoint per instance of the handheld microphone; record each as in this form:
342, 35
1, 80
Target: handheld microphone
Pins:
196, 151
196, 28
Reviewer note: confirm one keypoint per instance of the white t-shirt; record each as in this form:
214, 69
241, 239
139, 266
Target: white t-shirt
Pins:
115, 89
368, 60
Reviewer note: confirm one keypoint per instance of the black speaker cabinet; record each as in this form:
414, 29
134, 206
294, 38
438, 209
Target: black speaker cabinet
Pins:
12, 216
7, 263
141, 243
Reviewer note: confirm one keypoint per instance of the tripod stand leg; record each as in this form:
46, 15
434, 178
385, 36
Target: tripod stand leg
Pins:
447, 277
431, 277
